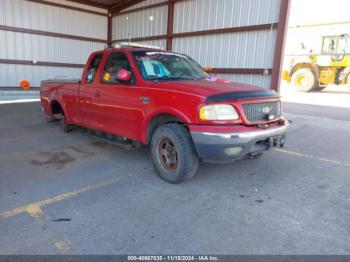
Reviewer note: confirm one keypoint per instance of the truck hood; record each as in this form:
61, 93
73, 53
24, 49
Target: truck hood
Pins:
216, 90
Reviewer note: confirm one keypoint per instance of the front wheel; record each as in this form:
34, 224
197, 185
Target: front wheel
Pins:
319, 88
173, 154
304, 80
348, 81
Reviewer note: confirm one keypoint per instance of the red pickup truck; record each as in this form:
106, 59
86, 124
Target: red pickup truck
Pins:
166, 100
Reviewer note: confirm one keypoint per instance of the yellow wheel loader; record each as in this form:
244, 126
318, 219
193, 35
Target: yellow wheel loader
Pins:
315, 71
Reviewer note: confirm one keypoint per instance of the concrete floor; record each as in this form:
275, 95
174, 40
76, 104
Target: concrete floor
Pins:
332, 95
9, 95
73, 194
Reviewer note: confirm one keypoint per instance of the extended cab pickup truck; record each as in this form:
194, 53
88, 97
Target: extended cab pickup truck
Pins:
166, 100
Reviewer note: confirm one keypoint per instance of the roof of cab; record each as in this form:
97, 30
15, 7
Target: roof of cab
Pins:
136, 49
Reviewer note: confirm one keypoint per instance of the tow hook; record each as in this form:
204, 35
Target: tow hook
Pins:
275, 142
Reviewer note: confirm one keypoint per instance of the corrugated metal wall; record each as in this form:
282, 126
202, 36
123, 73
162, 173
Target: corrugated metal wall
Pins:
247, 50
140, 23
11, 75
22, 46
233, 50
25, 46
158, 43
196, 15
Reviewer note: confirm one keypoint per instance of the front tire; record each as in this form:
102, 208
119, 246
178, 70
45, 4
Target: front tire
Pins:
348, 81
173, 153
319, 88
304, 80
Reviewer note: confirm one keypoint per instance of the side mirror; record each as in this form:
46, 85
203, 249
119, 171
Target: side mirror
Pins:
124, 75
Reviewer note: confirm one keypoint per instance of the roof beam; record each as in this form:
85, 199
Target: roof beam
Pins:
124, 4
280, 44
90, 3
66, 6
170, 25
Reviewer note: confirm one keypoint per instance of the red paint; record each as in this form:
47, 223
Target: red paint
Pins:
119, 109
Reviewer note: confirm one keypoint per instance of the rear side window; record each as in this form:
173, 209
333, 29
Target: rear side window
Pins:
93, 67
115, 62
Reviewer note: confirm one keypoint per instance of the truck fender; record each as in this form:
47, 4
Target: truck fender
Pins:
57, 99
158, 112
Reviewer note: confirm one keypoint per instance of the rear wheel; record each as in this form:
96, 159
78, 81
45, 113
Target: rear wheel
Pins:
173, 154
50, 119
65, 126
304, 80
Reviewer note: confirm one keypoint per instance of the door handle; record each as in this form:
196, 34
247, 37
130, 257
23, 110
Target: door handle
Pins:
145, 99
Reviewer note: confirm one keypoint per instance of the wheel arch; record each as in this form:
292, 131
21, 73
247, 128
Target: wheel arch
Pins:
56, 107
314, 68
159, 118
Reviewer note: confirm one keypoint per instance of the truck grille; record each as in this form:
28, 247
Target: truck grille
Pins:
257, 112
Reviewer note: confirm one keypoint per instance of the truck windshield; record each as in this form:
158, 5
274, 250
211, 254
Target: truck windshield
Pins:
161, 65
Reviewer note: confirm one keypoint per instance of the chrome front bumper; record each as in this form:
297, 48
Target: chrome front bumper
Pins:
228, 147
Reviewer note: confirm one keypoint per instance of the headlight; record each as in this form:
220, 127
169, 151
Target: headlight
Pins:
218, 112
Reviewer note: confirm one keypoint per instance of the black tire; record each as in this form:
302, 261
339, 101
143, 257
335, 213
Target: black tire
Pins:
174, 167
305, 80
50, 119
347, 79
65, 126
319, 88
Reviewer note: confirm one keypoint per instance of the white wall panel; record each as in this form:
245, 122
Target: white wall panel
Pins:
263, 81
158, 43
138, 24
11, 75
197, 15
22, 46
30, 15
254, 49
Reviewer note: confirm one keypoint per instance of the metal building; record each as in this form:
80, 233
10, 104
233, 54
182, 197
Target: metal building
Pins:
241, 40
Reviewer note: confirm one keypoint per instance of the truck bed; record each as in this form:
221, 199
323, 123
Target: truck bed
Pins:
63, 90
67, 81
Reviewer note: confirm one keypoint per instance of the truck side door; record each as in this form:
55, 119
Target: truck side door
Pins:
87, 91
117, 103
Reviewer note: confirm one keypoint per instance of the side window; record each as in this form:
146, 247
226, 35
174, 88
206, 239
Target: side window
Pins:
329, 45
114, 64
93, 67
